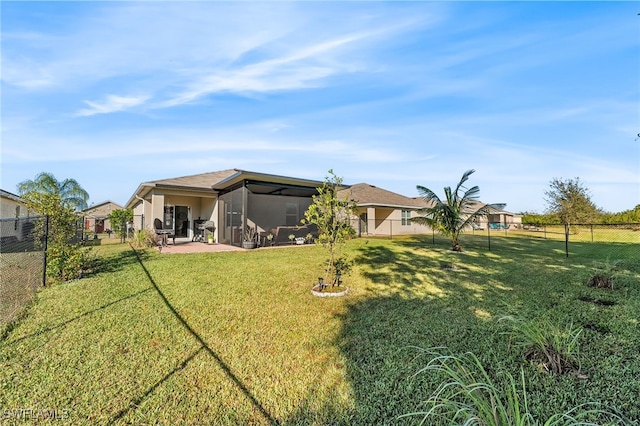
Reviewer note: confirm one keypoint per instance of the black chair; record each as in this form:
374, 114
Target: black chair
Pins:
164, 233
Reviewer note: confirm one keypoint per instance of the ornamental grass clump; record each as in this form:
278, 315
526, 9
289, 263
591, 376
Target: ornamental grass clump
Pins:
551, 348
468, 395
604, 274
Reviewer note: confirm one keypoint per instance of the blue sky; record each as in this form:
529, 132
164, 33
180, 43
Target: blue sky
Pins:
395, 94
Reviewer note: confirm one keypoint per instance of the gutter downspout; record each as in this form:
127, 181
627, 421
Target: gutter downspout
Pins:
141, 220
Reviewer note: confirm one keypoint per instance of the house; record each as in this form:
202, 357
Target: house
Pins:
96, 217
232, 199
12, 209
235, 200
382, 212
499, 218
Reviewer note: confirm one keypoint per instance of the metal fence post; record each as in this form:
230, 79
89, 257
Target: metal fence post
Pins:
44, 251
489, 234
566, 238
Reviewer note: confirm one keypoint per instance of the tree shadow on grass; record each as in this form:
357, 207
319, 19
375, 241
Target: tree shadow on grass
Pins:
116, 262
203, 346
380, 338
79, 317
380, 333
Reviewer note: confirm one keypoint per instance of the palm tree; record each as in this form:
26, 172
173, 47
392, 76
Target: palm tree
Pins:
69, 191
458, 211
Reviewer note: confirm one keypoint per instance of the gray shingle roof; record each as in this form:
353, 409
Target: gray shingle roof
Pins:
199, 181
365, 194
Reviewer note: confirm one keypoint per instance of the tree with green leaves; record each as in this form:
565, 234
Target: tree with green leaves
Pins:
119, 219
332, 215
58, 202
69, 191
570, 200
457, 212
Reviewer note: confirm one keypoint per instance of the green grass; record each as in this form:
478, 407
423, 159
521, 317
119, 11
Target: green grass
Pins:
237, 337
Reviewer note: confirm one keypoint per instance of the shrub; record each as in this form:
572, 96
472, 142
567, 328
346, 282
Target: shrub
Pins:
67, 262
143, 238
551, 348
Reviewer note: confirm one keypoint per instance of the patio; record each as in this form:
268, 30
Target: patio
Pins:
185, 245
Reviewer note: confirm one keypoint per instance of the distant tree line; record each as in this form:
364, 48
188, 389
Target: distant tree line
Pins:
569, 202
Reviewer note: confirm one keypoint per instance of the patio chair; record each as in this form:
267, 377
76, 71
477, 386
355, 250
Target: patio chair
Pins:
163, 233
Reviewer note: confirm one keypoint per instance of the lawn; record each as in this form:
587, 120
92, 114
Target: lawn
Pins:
237, 337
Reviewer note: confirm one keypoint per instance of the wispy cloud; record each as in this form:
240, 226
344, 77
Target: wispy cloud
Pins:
112, 103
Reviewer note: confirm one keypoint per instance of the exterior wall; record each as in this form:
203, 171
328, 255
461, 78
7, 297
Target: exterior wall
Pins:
198, 207
12, 209
386, 221
8, 208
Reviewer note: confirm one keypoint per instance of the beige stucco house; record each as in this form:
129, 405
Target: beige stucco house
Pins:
96, 217
382, 212
235, 200
232, 199
13, 208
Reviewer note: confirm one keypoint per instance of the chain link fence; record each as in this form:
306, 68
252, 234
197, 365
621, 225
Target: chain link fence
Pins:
22, 264
488, 235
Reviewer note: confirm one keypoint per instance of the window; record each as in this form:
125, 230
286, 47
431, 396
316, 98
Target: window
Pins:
291, 214
406, 215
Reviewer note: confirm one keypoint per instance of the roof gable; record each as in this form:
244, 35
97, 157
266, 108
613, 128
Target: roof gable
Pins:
366, 194
199, 181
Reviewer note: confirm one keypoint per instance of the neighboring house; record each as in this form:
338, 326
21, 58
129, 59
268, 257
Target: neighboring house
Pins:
96, 217
384, 213
501, 219
233, 199
13, 208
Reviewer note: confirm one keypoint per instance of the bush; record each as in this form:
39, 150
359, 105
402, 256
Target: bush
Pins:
143, 238
68, 262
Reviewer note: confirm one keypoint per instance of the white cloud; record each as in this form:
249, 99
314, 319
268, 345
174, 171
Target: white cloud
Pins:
112, 103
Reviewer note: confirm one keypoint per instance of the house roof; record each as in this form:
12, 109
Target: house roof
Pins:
9, 195
95, 206
366, 195
214, 182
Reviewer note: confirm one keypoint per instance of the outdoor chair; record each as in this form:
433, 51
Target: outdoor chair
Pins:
163, 233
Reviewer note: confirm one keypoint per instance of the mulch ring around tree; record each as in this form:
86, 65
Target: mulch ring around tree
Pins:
329, 291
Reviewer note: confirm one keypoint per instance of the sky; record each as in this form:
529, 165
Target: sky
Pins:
394, 94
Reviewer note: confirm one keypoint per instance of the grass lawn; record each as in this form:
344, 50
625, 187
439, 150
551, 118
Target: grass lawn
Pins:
237, 337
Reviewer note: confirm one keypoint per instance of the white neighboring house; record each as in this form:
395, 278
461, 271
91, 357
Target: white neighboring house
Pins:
13, 208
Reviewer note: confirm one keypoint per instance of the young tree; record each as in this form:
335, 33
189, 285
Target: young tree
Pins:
57, 201
570, 200
119, 219
458, 211
332, 216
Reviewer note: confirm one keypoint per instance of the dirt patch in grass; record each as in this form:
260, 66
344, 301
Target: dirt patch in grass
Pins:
597, 328
600, 281
596, 301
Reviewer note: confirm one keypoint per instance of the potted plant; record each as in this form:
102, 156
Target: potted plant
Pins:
210, 239
249, 238
270, 238
291, 238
